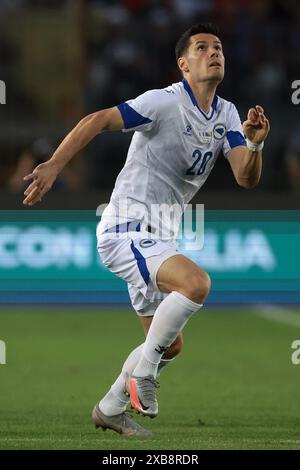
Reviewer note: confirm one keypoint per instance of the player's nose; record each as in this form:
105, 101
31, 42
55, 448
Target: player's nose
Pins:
213, 52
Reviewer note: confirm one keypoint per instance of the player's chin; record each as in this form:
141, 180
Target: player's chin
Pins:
216, 72
215, 75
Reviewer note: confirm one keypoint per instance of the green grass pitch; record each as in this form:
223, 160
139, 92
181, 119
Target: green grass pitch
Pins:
233, 386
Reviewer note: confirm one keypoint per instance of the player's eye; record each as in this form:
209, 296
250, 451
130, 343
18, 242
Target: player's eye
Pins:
201, 46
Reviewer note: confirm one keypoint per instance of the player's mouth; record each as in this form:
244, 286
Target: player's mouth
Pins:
215, 63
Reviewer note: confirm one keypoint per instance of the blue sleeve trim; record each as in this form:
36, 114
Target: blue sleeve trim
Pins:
130, 117
141, 262
235, 139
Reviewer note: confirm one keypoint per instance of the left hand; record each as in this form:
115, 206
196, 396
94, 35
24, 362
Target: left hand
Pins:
257, 126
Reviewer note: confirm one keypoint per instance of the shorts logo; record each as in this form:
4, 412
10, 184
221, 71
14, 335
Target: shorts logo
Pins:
219, 131
146, 243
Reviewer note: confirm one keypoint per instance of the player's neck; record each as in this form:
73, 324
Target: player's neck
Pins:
204, 93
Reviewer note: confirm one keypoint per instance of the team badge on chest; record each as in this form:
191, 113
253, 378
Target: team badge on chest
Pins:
219, 131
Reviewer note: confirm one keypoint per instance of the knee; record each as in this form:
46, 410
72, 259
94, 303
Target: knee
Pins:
174, 349
197, 287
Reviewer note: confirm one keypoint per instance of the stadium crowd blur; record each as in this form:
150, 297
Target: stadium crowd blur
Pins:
63, 59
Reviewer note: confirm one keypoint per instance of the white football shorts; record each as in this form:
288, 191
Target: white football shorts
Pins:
135, 257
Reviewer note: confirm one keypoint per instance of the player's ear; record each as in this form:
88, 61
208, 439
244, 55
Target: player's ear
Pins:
182, 64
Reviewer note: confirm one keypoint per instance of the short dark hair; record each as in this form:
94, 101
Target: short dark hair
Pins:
184, 41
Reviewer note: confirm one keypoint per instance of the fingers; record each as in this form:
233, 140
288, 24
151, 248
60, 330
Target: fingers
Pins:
256, 117
259, 109
35, 199
34, 190
34, 184
264, 121
252, 115
39, 195
36, 194
266, 124
33, 195
261, 115
29, 177
42, 178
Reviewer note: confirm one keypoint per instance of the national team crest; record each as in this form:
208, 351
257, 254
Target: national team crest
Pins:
219, 131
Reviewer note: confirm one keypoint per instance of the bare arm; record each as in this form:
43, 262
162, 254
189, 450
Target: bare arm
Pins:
45, 174
247, 164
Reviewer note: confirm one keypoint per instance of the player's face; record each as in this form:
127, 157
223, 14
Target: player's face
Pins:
205, 59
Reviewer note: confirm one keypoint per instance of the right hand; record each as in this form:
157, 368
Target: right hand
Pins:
43, 177
257, 126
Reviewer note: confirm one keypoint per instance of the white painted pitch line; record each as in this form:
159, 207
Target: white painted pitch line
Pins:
278, 314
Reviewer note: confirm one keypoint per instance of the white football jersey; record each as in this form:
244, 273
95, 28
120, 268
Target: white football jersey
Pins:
172, 152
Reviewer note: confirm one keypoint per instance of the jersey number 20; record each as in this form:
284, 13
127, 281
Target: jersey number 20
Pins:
200, 162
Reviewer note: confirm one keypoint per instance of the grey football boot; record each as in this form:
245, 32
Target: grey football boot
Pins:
142, 391
121, 423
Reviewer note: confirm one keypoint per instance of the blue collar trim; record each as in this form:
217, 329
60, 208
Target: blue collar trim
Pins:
193, 99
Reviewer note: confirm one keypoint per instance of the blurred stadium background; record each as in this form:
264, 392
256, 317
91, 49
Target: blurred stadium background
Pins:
61, 60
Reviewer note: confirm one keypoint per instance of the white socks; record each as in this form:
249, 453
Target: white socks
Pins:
115, 401
169, 319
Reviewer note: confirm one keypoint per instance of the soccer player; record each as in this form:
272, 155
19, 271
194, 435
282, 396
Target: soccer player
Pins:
180, 131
